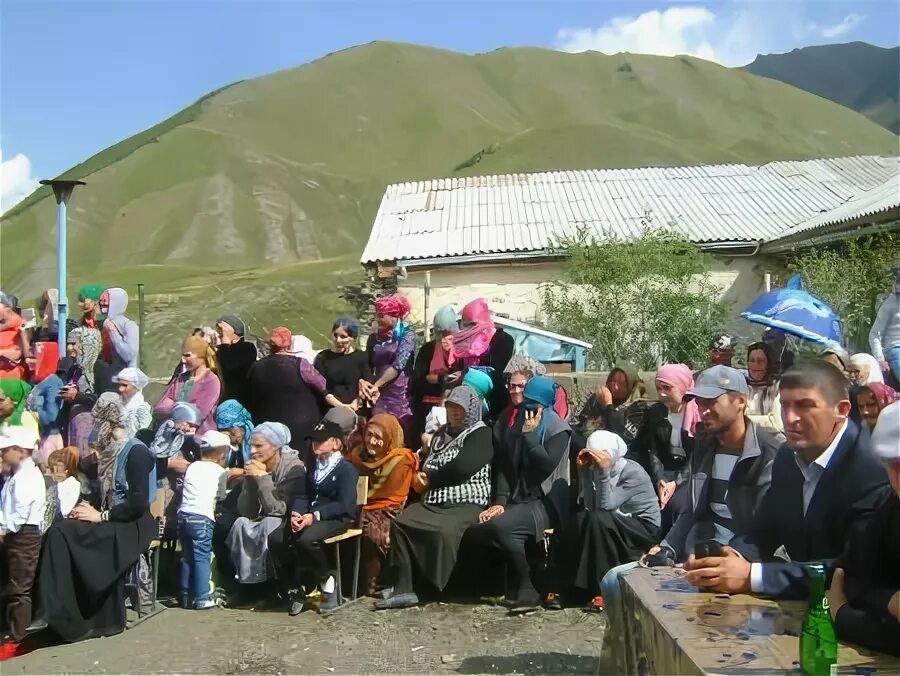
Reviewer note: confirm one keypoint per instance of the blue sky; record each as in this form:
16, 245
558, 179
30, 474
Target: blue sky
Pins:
77, 76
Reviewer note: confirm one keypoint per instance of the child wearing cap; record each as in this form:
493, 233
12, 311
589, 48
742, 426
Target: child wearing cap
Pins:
324, 506
22, 505
204, 484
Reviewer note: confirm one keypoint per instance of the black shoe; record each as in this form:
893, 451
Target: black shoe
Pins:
553, 602
297, 607
527, 603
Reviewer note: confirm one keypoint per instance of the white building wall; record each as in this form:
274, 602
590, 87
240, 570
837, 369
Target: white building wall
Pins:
514, 288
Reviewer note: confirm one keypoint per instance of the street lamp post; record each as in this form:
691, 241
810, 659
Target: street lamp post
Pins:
62, 191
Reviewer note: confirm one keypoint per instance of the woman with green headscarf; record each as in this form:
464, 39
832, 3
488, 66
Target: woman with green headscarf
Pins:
436, 369
89, 302
13, 396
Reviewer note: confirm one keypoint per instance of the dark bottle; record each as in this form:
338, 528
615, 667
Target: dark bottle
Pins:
818, 640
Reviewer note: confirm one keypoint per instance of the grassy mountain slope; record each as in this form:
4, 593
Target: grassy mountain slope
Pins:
259, 198
857, 75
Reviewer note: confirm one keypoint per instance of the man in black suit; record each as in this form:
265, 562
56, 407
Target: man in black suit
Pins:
826, 485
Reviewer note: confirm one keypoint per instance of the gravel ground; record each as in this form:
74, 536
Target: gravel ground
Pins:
437, 638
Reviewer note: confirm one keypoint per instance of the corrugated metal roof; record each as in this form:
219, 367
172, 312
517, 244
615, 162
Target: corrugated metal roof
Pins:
705, 203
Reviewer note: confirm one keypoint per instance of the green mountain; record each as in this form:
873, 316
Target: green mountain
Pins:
857, 75
258, 198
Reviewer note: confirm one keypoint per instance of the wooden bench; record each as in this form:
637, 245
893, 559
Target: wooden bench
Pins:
663, 625
362, 497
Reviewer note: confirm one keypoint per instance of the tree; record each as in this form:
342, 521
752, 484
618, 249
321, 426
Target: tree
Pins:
649, 300
851, 277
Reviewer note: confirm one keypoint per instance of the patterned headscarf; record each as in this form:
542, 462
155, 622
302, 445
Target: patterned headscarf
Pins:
90, 343
866, 362
393, 306
522, 362
109, 423
230, 413
280, 338
884, 394
474, 340
465, 396
17, 390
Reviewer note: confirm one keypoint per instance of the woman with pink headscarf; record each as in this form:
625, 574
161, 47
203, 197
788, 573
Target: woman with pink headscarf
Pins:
391, 349
480, 342
665, 441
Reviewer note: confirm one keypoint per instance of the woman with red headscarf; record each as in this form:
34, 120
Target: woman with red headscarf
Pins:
391, 349
480, 342
872, 399
665, 441
286, 389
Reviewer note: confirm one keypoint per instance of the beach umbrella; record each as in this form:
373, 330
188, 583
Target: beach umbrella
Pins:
798, 313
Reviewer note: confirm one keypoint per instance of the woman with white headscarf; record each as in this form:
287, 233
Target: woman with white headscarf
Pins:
271, 478
864, 369
138, 415
618, 516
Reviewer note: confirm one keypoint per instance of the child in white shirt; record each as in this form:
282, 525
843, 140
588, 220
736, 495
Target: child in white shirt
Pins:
22, 504
204, 484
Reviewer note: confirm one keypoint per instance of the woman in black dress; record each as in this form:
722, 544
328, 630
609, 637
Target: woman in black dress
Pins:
455, 483
86, 558
343, 365
286, 389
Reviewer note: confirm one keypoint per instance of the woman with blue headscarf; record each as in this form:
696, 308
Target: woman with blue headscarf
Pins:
436, 368
271, 478
530, 491
235, 421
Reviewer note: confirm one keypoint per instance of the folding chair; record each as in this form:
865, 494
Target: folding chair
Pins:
362, 497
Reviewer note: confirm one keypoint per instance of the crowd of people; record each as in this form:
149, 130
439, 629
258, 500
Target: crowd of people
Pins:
470, 454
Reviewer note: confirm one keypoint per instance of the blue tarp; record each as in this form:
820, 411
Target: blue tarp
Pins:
548, 350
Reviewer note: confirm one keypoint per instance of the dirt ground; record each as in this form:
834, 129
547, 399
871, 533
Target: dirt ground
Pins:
437, 638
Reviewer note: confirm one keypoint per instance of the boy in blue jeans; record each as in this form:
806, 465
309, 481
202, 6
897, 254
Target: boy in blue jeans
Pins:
204, 484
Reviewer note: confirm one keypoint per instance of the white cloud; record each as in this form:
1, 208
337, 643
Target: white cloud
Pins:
16, 181
849, 22
732, 35
677, 30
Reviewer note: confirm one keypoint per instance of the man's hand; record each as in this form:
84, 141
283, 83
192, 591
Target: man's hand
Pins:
729, 574
255, 468
666, 491
837, 599
299, 522
490, 513
885, 366
69, 392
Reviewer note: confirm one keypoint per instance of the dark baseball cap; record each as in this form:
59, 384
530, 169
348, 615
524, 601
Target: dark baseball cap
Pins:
326, 430
718, 380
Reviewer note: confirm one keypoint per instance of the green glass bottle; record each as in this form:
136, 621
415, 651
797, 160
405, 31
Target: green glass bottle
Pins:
818, 640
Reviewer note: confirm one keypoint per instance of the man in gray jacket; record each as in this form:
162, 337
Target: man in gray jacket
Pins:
730, 471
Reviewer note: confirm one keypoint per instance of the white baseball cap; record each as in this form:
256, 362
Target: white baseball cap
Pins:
21, 437
214, 439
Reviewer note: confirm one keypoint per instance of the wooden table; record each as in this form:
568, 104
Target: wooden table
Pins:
663, 625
